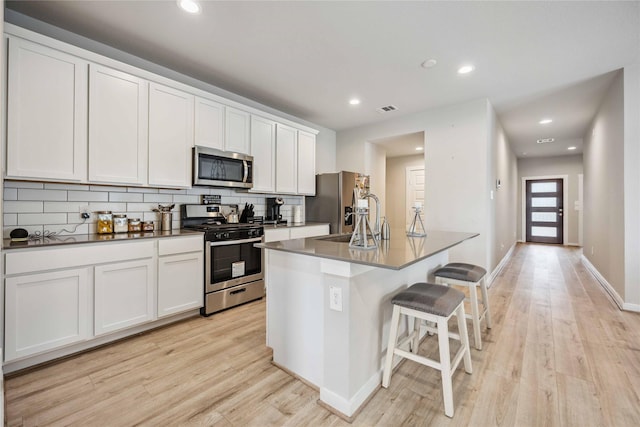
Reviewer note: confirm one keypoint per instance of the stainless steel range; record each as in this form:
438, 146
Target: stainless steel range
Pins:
233, 267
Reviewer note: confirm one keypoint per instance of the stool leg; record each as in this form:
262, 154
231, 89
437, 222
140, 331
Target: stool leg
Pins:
393, 336
485, 301
464, 338
415, 342
445, 366
475, 316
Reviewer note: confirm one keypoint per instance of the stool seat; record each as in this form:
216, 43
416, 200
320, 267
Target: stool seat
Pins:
461, 271
472, 276
429, 303
429, 298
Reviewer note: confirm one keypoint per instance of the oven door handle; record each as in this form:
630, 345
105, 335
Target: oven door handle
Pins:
235, 242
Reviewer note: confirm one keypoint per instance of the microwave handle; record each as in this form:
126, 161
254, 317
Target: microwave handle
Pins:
246, 170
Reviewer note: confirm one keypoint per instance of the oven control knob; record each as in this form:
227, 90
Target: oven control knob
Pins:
225, 235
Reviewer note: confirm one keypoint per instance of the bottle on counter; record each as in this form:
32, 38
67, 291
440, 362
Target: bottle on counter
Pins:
120, 223
105, 222
135, 225
386, 230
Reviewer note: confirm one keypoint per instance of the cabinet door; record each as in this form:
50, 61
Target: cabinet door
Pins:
306, 163
237, 124
46, 311
209, 124
263, 148
309, 231
46, 114
276, 234
180, 283
170, 137
118, 123
286, 159
124, 295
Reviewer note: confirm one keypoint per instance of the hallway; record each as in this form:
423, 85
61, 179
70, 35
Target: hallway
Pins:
560, 353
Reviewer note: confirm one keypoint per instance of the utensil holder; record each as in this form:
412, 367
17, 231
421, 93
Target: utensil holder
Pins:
166, 221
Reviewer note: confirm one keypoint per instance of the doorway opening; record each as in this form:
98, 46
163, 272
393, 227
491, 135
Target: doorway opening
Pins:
545, 210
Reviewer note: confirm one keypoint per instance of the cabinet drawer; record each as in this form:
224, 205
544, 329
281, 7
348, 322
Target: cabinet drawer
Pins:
310, 231
30, 261
180, 245
276, 235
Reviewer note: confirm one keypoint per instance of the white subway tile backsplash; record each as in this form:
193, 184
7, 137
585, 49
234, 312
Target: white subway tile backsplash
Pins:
62, 230
63, 206
10, 219
107, 206
18, 207
41, 218
141, 190
23, 184
56, 186
88, 196
29, 204
10, 194
158, 198
187, 198
41, 195
125, 197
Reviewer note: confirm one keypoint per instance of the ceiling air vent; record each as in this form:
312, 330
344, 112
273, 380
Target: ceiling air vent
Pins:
387, 109
545, 140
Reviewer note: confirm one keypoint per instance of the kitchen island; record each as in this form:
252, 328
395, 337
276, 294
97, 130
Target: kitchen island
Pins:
329, 307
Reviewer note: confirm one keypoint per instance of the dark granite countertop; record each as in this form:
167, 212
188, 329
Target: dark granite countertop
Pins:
71, 239
397, 253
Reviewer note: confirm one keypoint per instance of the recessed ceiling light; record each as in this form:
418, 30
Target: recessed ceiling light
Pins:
545, 140
189, 6
572, 148
429, 63
545, 121
524, 154
419, 148
354, 101
466, 69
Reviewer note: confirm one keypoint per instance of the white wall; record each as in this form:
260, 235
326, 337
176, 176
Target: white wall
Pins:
632, 185
604, 188
553, 166
456, 168
504, 166
395, 207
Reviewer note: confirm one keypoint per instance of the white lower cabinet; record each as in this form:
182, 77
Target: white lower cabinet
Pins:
46, 311
287, 233
180, 276
60, 300
124, 295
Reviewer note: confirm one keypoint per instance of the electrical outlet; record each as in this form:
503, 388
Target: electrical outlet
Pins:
85, 213
335, 298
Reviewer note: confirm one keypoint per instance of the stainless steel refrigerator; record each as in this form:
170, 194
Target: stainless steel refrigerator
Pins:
333, 202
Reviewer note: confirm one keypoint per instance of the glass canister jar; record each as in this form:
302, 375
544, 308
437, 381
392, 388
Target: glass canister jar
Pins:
105, 222
120, 223
148, 226
135, 225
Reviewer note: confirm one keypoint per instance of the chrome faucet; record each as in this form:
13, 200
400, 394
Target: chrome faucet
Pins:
376, 228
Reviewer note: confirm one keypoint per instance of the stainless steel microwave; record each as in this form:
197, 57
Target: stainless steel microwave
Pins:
221, 168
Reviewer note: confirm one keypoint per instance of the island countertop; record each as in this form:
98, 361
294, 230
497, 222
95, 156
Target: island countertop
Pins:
395, 254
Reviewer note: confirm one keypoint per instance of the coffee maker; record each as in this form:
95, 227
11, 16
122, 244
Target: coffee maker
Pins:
273, 215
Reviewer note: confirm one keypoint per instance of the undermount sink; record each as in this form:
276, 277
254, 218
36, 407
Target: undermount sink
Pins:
338, 238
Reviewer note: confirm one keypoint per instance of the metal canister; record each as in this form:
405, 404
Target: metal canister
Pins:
386, 230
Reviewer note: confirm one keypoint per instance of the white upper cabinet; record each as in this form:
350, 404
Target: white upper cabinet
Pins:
46, 115
237, 135
170, 137
286, 159
209, 123
306, 163
118, 123
263, 147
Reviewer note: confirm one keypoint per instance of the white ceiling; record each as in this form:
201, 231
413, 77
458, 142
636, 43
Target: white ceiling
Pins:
532, 59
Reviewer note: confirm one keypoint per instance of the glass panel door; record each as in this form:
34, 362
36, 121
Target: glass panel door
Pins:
544, 211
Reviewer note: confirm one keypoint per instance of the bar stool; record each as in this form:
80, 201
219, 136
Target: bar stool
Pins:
432, 303
471, 276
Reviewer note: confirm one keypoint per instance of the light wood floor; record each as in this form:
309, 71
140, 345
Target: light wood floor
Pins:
560, 353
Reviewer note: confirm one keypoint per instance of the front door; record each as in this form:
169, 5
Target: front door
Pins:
544, 211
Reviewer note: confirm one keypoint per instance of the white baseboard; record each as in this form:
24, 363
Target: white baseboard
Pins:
500, 266
349, 406
607, 287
